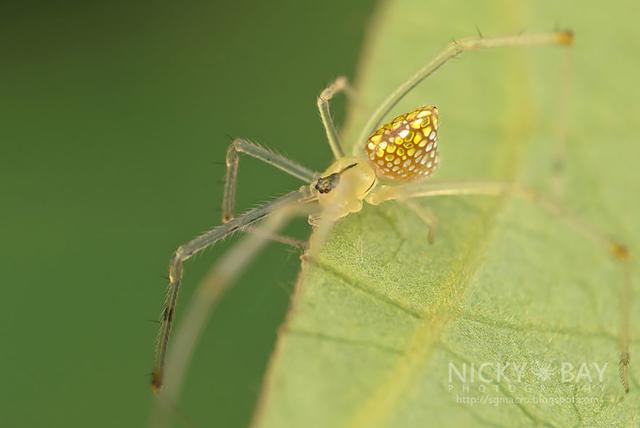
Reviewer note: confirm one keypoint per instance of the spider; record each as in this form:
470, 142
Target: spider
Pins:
392, 161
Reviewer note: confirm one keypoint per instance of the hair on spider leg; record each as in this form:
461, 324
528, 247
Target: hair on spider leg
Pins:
167, 314
479, 32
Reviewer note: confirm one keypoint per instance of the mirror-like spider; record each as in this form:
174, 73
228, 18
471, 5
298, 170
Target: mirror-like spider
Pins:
391, 162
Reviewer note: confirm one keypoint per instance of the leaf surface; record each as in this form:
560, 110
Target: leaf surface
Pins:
383, 324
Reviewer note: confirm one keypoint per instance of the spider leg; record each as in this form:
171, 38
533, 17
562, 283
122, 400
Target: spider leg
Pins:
240, 145
339, 85
618, 251
295, 244
425, 214
322, 224
220, 277
456, 48
263, 154
196, 245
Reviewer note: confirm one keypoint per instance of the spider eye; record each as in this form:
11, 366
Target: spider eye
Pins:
407, 147
328, 183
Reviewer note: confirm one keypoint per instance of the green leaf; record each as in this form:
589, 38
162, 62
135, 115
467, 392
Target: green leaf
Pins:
381, 320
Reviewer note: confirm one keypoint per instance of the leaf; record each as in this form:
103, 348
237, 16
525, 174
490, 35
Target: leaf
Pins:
382, 323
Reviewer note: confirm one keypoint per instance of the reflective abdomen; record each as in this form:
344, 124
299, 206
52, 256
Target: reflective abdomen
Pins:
406, 148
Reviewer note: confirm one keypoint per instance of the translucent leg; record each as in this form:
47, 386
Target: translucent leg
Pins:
265, 155
339, 85
220, 277
322, 225
425, 214
258, 152
454, 49
616, 250
188, 250
296, 244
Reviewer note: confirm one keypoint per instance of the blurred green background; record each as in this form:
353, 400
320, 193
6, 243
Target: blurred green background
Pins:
115, 117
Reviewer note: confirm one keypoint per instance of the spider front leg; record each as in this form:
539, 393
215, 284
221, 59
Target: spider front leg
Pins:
263, 154
196, 245
618, 251
455, 49
339, 85
221, 276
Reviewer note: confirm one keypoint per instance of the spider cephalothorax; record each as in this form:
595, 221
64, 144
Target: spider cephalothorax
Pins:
344, 185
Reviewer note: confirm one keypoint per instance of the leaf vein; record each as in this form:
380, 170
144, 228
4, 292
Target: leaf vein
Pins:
343, 340
362, 287
528, 327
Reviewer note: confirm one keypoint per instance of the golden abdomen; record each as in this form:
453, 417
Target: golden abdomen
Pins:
407, 147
